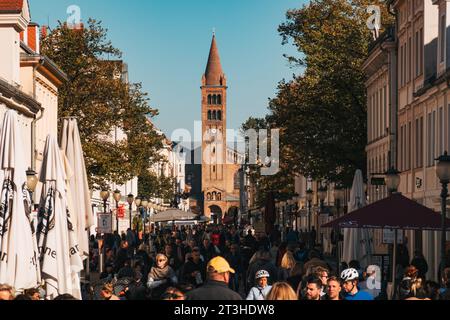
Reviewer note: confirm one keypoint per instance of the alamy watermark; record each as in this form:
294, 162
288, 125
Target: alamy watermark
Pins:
374, 21
73, 16
252, 147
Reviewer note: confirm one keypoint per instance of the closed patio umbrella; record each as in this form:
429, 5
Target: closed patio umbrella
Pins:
82, 217
19, 264
60, 257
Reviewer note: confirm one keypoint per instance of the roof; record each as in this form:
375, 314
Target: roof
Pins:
214, 73
11, 6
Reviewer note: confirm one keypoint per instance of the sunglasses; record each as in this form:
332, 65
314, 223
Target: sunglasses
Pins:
161, 260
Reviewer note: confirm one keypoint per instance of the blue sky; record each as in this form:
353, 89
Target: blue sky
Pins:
166, 44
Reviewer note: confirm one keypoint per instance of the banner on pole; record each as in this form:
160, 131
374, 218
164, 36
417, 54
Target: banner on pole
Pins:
104, 223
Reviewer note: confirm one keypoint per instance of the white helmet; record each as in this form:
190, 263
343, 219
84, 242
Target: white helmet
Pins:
262, 274
349, 275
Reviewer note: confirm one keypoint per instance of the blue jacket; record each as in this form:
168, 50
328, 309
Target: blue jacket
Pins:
360, 295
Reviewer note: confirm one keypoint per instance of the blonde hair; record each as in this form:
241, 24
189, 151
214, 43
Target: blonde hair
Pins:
288, 262
108, 287
282, 291
5, 287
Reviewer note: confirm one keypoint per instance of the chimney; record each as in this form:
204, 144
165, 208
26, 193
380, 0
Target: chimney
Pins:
33, 37
44, 32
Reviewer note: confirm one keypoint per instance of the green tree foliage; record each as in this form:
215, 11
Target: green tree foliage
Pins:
152, 186
104, 104
321, 112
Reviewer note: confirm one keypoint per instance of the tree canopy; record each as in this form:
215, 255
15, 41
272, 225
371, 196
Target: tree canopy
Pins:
105, 104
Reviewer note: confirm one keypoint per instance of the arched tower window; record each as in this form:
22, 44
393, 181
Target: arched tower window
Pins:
214, 196
219, 196
208, 196
219, 99
219, 115
209, 115
209, 99
214, 99
214, 115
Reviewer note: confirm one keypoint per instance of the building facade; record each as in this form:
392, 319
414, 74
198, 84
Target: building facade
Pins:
220, 163
29, 81
409, 109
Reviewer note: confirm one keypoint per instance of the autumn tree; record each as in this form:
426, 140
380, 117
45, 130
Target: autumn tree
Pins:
104, 104
321, 111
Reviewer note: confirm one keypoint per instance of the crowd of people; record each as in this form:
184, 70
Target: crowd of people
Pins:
217, 262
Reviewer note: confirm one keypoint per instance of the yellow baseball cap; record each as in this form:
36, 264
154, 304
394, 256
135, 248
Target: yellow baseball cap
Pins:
220, 265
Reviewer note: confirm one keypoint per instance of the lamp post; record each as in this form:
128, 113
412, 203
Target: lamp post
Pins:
392, 180
130, 200
104, 194
309, 199
117, 196
338, 197
144, 205
32, 181
443, 173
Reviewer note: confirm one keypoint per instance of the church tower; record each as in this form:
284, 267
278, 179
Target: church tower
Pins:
214, 147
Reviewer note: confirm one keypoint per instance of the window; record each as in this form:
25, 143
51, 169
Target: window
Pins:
442, 38
214, 196
208, 197
441, 131
214, 115
209, 100
209, 115
219, 99
421, 142
416, 53
409, 146
401, 66
214, 99
421, 52
219, 196
408, 68
219, 115
429, 142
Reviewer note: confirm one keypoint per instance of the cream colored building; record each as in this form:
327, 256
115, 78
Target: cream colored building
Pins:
409, 108
29, 81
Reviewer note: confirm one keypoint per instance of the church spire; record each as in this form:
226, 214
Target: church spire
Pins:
214, 75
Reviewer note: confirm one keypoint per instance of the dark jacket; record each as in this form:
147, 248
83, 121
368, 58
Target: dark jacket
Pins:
213, 290
190, 267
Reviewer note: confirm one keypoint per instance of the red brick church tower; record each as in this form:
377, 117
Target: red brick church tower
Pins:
218, 187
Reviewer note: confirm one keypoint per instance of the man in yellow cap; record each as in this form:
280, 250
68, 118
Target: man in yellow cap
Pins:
216, 288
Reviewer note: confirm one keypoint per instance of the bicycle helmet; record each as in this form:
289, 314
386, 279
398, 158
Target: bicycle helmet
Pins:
349, 275
262, 274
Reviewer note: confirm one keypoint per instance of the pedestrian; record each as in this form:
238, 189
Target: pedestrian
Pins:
420, 263
262, 289
6, 292
296, 276
412, 289
235, 260
287, 264
194, 270
33, 293
350, 278
322, 274
161, 276
334, 289
216, 287
173, 294
262, 260
107, 292
445, 287
281, 291
313, 288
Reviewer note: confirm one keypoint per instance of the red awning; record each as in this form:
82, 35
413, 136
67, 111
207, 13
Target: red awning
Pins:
395, 212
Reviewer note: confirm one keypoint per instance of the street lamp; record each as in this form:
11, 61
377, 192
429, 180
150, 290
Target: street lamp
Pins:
104, 194
309, 199
144, 205
338, 197
117, 196
392, 180
443, 173
32, 181
322, 194
130, 200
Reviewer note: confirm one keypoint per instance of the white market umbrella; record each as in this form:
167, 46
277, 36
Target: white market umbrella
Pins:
78, 188
60, 257
358, 243
19, 265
